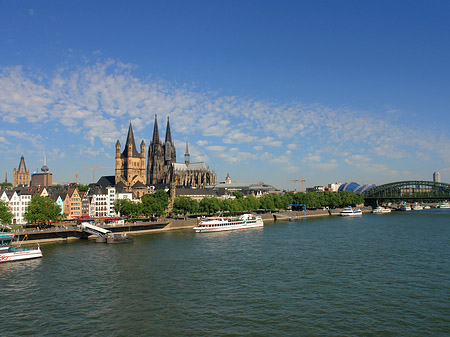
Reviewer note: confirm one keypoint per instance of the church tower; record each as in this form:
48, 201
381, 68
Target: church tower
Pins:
130, 164
161, 156
21, 176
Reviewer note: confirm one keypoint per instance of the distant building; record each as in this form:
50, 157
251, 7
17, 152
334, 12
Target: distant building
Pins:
43, 178
21, 176
228, 179
355, 187
436, 177
334, 187
257, 189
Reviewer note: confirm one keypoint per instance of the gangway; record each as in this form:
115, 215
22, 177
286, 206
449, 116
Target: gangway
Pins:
94, 230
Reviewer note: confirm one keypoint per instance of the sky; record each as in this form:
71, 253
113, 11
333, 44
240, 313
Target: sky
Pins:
272, 91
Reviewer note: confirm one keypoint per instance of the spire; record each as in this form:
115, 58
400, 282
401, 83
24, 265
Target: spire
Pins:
22, 166
6, 178
186, 155
155, 132
130, 141
168, 135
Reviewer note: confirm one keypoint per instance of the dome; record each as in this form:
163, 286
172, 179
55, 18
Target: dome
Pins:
355, 187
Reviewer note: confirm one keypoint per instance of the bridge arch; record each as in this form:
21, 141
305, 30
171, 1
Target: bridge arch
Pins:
408, 190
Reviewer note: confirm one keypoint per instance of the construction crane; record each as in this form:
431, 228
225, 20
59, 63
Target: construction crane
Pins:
295, 184
96, 168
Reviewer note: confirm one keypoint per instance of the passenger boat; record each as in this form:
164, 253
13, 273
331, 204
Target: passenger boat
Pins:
381, 210
9, 253
218, 224
350, 211
444, 204
417, 207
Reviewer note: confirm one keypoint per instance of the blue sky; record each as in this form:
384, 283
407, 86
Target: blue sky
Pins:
328, 91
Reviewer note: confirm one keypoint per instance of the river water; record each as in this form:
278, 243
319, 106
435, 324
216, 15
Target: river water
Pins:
374, 275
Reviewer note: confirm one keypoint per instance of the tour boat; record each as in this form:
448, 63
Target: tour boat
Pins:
9, 253
444, 204
218, 224
350, 211
381, 210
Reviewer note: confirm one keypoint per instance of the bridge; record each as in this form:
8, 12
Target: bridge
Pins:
414, 190
94, 230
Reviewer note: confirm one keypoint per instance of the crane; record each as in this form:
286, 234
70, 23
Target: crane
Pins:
96, 168
303, 180
295, 184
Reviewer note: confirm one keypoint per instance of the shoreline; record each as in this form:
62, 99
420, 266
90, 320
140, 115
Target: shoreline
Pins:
177, 224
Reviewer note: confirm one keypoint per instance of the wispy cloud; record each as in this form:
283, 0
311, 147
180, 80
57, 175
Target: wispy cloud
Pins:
96, 102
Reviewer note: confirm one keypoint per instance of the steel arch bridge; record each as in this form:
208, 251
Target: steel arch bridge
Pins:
408, 190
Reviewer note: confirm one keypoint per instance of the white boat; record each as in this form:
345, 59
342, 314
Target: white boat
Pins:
9, 253
405, 207
350, 211
381, 210
444, 204
218, 224
417, 207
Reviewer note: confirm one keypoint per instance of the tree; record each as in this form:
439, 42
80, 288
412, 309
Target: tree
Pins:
155, 203
126, 207
185, 205
43, 210
5, 184
5, 213
209, 205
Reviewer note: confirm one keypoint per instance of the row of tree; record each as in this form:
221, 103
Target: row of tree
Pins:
44, 210
155, 204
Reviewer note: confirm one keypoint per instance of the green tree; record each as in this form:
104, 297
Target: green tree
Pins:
82, 188
185, 205
155, 204
42, 209
210, 205
267, 202
250, 203
5, 184
126, 207
5, 213
238, 194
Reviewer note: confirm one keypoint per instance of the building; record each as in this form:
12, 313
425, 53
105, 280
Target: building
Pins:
436, 177
21, 176
195, 175
130, 164
17, 201
43, 178
161, 156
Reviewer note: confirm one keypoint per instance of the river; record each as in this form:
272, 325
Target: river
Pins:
374, 275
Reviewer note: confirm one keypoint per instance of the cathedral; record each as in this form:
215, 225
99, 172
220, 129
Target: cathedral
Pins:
162, 167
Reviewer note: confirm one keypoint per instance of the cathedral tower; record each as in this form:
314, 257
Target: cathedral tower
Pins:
130, 164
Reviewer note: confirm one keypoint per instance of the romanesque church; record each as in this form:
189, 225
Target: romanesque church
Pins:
162, 167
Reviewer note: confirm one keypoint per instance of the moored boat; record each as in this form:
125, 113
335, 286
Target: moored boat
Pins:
218, 224
350, 211
444, 204
9, 253
119, 238
381, 210
405, 207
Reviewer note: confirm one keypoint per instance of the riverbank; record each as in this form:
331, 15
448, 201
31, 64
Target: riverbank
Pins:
70, 232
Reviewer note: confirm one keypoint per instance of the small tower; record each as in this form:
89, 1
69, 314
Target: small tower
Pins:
187, 157
21, 176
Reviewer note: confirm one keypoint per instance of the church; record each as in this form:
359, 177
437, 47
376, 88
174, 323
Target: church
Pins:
162, 167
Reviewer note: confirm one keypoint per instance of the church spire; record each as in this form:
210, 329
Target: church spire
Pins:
130, 142
168, 135
155, 132
22, 166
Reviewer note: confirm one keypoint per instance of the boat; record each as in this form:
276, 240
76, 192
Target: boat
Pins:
350, 211
119, 238
217, 224
115, 238
9, 253
444, 205
417, 207
405, 207
381, 210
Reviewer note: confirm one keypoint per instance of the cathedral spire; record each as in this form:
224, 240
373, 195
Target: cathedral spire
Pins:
130, 142
155, 132
168, 135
